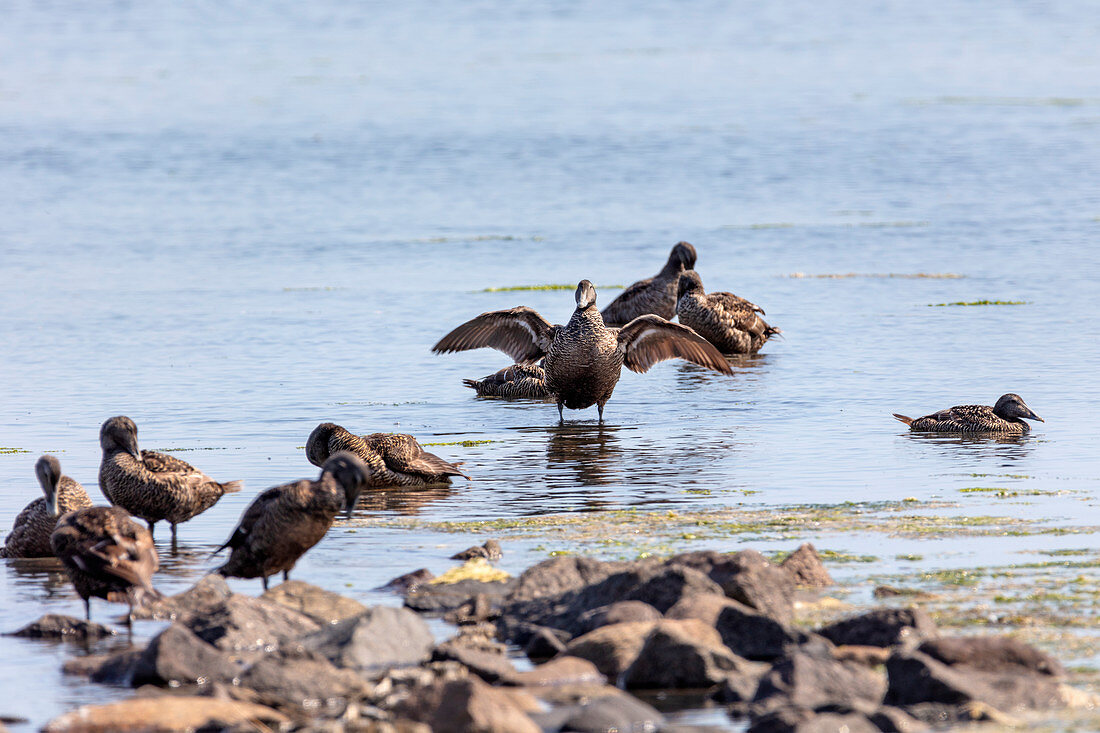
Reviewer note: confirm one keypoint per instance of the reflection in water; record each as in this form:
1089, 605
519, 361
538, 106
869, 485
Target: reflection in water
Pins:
977, 445
40, 577
690, 377
402, 499
592, 451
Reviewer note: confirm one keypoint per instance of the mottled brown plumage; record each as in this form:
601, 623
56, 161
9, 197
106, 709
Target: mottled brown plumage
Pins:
392, 459
583, 359
655, 295
107, 555
150, 485
519, 381
731, 323
30, 535
283, 522
1004, 417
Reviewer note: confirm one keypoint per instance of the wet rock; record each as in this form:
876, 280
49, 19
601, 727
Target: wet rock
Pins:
108, 669
490, 551
748, 577
746, 632
324, 607
991, 654
613, 713
477, 610
304, 680
467, 706
485, 658
402, 584
681, 654
740, 686
243, 624
57, 626
176, 656
563, 670
895, 720
806, 568
545, 643
868, 656
617, 613
210, 591
559, 575
810, 677
939, 714
881, 627
380, 638
612, 648
803, 720
164, 714
441, 597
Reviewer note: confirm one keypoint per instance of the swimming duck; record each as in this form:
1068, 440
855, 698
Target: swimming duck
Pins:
392, 459
655, 295
519, 381
731, 323
150, 485
1004, 417
584, 358
283, 522
30, 535
107, 555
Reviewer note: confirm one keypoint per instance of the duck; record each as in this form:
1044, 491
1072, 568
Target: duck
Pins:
1007, 416
519, 381
107, 555
584, 358
30, 535
731, 323
655, 295
284, 522
392, 459
150, 485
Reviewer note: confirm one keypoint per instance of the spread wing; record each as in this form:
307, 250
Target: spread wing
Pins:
402, 453
519, 332
649, 339
622, 308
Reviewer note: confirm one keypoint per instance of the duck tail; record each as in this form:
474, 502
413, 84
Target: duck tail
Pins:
231, 487
770, 331
904, 419
471, 383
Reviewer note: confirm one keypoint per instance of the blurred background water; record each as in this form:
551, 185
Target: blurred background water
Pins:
231, 222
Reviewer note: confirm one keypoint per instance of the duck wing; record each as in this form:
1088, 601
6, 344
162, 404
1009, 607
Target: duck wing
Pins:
402, 453
164, 463
265, 503
734, 311
649, 339
519, 332
107, 544
629, 303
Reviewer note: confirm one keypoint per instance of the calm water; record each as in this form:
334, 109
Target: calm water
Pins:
232, 223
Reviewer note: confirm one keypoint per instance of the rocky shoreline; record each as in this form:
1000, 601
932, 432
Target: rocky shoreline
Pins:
598, 639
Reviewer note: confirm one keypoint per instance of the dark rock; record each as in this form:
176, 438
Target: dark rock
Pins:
810, 677
324, 607
545, 643
441, 597
748, 577
868, 656
210, 591
739, 686
612, 648
380, 638
466, 706
490, 551
881, 627
108, 669
486, 659
991, 654
402, 584
613, 713
244, 624
559, 575
802, 720
895, 720
806, 568
304, 680
56, 626
681, 654
939, 715
477, 610
618, 613
563, 670
176, 656
746, 632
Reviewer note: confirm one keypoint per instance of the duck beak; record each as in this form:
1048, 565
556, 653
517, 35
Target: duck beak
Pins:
351, 506
1032, 416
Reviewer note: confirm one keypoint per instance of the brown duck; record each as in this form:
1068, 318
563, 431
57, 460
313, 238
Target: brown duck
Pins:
519, 381
150, 485
107, 555
584, 358
392, 459
655, 295
731, 323
1004, 417
283, 522
30, 535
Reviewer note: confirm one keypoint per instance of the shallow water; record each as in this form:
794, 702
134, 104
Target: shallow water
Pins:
232, 223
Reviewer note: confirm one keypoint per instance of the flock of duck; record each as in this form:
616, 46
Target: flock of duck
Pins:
109, 555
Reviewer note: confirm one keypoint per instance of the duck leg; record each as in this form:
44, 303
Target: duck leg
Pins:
87, 609
150, 523
561, 417
286, 575
174, 548
265, 582
599, 406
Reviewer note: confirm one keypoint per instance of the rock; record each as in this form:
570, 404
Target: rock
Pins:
324, 607
165, 714
740, 686
304, 680
612, 648
809, 677
617, 613
868, 656
895, 720
890, 591
176, 656
563, 670
806, 568
490, 551
556, 576
613, 713
466, 706
939, 715
56, 626
881, 627
746, 632
488, 660
802, 720
402, 584
109, 669
244, 624
477, 610
379, 638
681, 654
748, 577
207, 593
991, 654
441, 597
545, 643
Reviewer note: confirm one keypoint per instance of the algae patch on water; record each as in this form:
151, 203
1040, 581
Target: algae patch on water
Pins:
463, 443
12, 451
551, 286
476, 569
978, 302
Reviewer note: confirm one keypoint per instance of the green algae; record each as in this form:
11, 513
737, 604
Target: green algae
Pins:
464, 443
12, 451
552, 286
979, 302
1002, 493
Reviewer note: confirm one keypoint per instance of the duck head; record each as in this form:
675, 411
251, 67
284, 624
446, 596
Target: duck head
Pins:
317, 446
351, 473
1011, 407
689, 282
682, 256
586, 295
119, 433
48, 471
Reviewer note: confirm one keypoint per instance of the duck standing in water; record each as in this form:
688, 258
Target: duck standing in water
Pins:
283, 522
392, 459
584, 358
150, 485
655, 295
30, 535
519, 381
731, 323
1007, 416
107, 555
